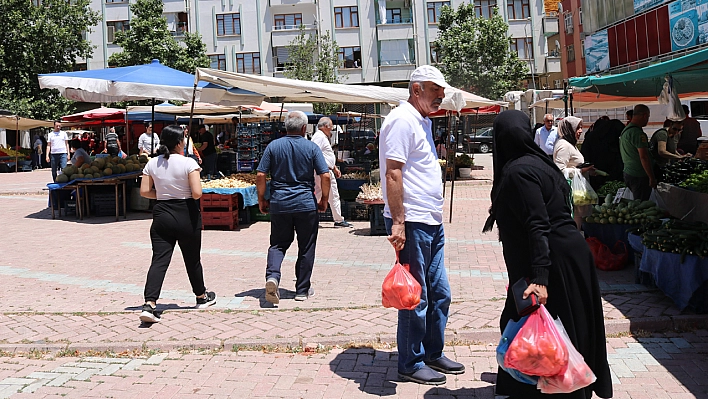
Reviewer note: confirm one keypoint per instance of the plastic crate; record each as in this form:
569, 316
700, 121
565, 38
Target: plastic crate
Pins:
244, 216
376, 221
326, 216
350, 184
348, 195
356, 211
640, 277
224, 201
228, 219
246, 166
256, 214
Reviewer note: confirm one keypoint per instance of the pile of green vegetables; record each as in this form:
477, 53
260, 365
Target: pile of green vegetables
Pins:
610, 188
625, 212
697, 182
679, 237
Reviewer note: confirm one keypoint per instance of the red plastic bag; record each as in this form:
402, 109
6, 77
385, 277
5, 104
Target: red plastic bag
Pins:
400, 290
578, 374
606, 259
538, 348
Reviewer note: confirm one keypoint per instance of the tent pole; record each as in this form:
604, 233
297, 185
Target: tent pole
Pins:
127, 133
571, 103
447, 153
152, 136
565, 98
191, 111
17, 140
452, 186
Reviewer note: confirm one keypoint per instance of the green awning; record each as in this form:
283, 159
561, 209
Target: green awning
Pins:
689, 73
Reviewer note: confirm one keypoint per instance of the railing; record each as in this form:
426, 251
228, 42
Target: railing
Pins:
396, 62
293, 27
396, 21
554, 53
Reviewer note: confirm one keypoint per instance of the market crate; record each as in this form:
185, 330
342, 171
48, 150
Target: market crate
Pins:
104, 204
326, 216
221, 201
244, 216
350, 184
228, 219
246, 166
376, 220
256, 214
640, 277
348, 195
356, 211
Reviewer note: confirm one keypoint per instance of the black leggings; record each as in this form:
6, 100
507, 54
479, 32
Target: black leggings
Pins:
175, 221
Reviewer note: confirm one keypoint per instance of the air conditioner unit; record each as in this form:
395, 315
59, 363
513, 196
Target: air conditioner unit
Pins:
110, 34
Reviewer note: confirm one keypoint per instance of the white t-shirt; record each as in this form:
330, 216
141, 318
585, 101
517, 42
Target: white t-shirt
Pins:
407, 137
57, 142
145, 141
322, 141
171, 176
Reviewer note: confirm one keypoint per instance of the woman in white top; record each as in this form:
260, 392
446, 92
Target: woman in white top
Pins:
173, 180
567, 157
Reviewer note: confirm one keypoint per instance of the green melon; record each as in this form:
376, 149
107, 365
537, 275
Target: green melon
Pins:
97, 175
122, 168
81, 175
74, 176
62, 179
107, 172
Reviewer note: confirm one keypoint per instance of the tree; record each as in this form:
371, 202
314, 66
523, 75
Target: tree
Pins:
315, 59
40, 39
148, 38
475, 52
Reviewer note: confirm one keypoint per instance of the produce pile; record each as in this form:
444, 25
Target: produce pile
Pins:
370, 192
677, 172
102, 167
679, 237
625, 212
610, 188
355, 176
236, 180
8, 152
697, 182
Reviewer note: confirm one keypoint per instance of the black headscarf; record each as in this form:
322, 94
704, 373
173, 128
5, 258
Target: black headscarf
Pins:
511, 140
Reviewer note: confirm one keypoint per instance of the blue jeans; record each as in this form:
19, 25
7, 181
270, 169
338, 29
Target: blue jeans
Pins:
58, 162
421, 332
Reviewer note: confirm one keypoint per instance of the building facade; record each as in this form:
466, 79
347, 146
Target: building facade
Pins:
379, 40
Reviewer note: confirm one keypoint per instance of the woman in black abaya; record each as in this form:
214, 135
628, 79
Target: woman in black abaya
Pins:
530, 204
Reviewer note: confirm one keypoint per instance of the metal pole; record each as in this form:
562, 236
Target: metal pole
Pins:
127, 133
17, 139
565, 97
191, 110
454, 175
571, 103
152, 136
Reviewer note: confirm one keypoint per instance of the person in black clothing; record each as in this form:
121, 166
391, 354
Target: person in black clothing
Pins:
208, 152
540, 240
601, 148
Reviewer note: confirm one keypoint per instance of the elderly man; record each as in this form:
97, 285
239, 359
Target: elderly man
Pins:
292, 162
547, 135
634, 148
322, 138
57, 149
413, 211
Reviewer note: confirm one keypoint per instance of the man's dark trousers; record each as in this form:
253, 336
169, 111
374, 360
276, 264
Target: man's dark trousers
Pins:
282, 230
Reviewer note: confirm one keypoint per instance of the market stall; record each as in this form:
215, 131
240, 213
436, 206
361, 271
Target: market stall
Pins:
15, 158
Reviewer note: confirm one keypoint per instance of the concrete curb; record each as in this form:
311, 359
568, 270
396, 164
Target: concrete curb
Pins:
482, 336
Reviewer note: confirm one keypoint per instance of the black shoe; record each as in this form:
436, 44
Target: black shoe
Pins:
208, 300
343, 223
272, 293
149, 314
425, 376
447, 366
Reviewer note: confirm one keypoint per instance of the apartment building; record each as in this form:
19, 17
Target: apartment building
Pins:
379, 40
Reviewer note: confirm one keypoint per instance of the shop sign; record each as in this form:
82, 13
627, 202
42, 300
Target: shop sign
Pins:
597, 53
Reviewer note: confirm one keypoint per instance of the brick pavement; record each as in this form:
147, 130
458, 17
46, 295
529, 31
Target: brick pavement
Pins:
80, 285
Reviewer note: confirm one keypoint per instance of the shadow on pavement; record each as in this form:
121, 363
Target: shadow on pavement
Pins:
259, 293
46, 214
374, 371
360, 232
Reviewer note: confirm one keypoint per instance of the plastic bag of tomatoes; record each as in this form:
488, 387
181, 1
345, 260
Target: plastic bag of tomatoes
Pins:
400, 289
538, 348
577, 375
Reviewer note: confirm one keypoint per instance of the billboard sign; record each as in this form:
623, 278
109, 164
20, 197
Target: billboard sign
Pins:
597, 52
643, 5
683, 24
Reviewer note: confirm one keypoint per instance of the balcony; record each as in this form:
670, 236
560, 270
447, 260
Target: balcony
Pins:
173, 6
395, 71
282, 35
276, 3
395, 31
553, 64
550, 26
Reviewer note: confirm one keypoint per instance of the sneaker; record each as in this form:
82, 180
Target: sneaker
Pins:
149, 314
447, 366
425, 376
208, 300
343, 223
272, 294
302, 297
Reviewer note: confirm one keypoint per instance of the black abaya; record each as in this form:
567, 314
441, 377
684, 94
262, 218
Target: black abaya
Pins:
541, 242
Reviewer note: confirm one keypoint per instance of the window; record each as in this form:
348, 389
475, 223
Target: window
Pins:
568, 21
79, 67
115, 26
582, 48
396, 52
485, 8
434, 54
393, 16
580, 16
570, 51
523, 46
228, 24
281, 56
350, 57
248, 63
518, 9
558, 84
434, 10
346, 17
218, 61
116, 1
287, 21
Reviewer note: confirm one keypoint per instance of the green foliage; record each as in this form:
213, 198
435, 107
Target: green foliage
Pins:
148, 38
35, 40
475, 52
463, 161
314, 59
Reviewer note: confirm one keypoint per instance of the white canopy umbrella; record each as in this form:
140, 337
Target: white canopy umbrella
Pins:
18, 123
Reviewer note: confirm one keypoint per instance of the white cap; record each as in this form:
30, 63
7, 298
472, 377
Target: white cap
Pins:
428, 73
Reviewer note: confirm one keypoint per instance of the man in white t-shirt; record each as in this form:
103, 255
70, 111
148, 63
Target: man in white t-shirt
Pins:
547, 135
149, 142
413, 195
321, 138
57, 149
